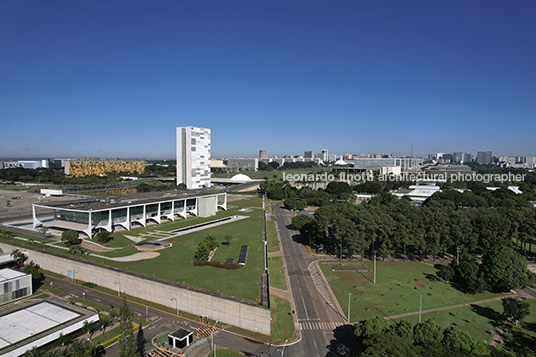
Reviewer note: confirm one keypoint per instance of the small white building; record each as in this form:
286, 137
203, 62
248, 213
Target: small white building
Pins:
417, 193
14, 285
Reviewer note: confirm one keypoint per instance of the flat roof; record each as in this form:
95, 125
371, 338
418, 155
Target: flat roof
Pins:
38, 323
10, 274
98, 204
180, 333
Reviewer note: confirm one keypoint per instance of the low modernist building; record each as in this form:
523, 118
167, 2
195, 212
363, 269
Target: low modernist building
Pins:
124, 212
37, 323
14, 285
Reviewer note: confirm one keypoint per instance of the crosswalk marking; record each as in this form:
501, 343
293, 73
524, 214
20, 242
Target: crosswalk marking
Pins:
319, 325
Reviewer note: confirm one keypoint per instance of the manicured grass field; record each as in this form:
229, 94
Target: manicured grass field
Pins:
277, 274
476, 320
271, 235
397, 289
282, 322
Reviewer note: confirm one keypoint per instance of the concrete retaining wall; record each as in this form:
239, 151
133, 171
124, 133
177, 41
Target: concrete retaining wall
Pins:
238, 312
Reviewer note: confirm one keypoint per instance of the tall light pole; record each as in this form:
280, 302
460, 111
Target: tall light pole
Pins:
118, 288
349, 297
283, 350
213, 336
92, 345
375, 267
176, 303
457, 256
420, 308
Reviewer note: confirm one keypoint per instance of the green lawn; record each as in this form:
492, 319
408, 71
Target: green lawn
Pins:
175, 263
397, 289
271, 235
277, 273
282, 322
476, 320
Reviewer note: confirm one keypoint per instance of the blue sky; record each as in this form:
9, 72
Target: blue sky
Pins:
115, 78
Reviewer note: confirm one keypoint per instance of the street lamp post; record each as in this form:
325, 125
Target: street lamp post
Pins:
92, 345
176, 303
283, 350
213, 337
118, 288
375, 267
420, 308
349, 298
457, 256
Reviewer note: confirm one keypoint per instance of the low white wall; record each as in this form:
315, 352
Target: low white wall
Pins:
238, 312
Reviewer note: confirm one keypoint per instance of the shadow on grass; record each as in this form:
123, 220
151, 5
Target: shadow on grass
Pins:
520, 343
496, 319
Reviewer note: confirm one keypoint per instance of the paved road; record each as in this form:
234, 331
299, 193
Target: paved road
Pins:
322, 328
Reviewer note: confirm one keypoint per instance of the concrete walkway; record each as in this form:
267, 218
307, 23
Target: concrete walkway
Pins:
448, 307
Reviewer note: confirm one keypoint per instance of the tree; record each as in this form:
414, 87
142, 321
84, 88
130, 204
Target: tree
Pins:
127, 342
504, 269
69, 237
34, 271
427, 333
202, 252
79, 348
103, 237
368, 328
300, 220
446, 272
211, 242
515, 309
336, 188
19, 257
227, 240
467, 274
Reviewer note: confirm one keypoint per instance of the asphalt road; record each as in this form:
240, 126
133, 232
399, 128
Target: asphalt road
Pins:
322, 328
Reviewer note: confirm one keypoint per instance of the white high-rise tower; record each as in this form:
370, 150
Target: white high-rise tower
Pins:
193, 157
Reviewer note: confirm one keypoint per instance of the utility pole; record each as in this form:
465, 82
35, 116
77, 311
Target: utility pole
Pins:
349, 298
457, 256
420, 308
374, 267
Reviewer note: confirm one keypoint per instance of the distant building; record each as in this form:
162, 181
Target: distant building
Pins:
193, 157
245, 164
24, 164
484, 157
308, 155
263, 154
405, 164
418, 193
325, 155
462, 157
95, 166
216, 164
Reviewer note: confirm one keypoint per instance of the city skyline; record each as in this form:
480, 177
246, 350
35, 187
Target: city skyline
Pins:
100, 79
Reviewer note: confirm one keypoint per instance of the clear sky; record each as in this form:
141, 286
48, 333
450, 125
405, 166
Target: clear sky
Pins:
115, 78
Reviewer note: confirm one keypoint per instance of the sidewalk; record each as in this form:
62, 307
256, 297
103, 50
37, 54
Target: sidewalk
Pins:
448, 307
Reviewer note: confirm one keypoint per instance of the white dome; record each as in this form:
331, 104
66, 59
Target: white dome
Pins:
340, 162
240, 177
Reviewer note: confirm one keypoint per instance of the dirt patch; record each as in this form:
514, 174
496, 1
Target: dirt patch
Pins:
346, 276
420, 283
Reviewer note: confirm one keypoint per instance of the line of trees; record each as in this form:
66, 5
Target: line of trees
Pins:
395, 228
